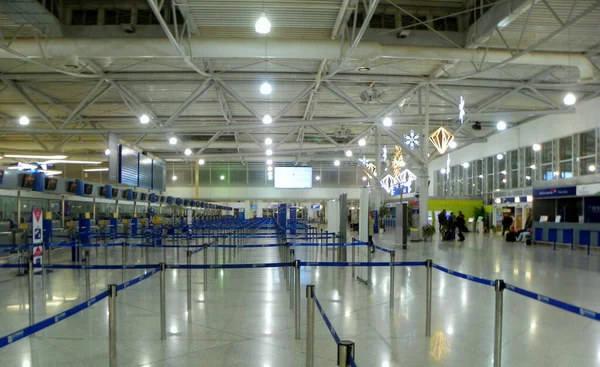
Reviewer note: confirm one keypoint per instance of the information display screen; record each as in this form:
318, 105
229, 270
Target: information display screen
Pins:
293, 177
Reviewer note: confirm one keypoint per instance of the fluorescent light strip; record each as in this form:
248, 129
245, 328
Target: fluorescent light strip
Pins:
56, 161
35, 156
23, 166
105, 169
50, 172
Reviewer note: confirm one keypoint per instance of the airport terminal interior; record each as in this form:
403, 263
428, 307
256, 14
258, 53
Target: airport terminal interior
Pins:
275, 183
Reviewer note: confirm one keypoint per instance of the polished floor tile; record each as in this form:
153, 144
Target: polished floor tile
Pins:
244, 318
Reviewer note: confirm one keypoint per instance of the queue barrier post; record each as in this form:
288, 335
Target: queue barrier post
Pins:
297, 297
88, 292
188, 254
499, 287
291, 278
392, 273
30, 283
205, 263
163, 316
429, 267
345, 353
370, 251
310, 326
112, 325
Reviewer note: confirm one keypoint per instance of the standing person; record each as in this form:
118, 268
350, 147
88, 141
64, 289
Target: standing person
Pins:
450, 228
460, 224
371, 229
443, 222
507, 221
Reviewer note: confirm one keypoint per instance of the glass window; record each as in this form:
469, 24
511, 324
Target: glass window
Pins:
478, 178
565, 169
514, 159
587, 166
489, 183
514, 179
490, 165
547, 154
587, 144
529, 156
565, 148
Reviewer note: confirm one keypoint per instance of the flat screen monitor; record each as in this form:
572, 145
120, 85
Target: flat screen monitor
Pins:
135, 195
87, 189
51, 184
143, 196
102, 190
115, 193
72, 187
28, 180
293, 177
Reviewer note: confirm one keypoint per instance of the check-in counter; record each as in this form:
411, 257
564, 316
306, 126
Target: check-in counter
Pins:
579, 234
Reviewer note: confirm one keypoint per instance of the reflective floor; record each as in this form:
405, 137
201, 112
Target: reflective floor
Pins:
244, 318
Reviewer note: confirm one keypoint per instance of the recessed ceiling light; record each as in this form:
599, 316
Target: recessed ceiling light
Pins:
24, 120
569, 99
265, 88
262, 25
144, 119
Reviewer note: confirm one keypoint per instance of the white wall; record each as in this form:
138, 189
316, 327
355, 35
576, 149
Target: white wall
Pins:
587, 117
262, 193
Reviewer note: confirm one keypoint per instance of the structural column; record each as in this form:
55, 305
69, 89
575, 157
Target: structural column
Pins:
424, 171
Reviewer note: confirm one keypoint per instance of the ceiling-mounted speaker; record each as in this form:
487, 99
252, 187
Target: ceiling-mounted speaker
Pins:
476, 125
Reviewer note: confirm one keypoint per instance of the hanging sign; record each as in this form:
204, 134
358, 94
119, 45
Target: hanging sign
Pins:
37, 230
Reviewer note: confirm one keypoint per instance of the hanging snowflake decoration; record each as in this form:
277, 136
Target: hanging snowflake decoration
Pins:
384, 155
461, 109
363, 161
412, 140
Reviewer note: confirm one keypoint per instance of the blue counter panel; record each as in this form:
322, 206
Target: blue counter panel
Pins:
568, 236
584, 238
552, 235
539, 234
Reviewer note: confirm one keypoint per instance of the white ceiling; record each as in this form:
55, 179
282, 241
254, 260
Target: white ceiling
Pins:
128, 74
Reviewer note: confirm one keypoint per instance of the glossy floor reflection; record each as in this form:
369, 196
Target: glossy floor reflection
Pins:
244, 318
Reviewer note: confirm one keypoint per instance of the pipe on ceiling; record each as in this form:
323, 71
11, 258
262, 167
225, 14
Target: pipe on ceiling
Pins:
300, 49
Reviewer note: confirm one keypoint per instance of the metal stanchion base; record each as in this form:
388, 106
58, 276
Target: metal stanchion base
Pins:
364, 281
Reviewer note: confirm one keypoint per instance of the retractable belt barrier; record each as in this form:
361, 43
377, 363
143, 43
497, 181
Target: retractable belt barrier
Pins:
25, 332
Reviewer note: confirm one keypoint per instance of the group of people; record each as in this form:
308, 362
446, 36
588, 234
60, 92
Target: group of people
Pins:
449, 225
509, 232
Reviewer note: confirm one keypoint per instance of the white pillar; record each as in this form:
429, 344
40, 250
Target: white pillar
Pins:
423, 198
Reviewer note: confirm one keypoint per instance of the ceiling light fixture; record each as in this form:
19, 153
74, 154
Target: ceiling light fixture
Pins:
270, 169
144, 119
318, 178
336, 163
269, 162
536, 147
364, 178
35, 156
452, 145
443, 171
262, 26
265, 88
107, 152
104, 169
348, 153
500, 156
466, 165
55, 161
569, 99
362, 142
222, 177
201, 162
268, 141
269, 152
592, 168
501, 125
173, 140
174, 178
50, 172
24, 120
188, 151
267, 119
387, 121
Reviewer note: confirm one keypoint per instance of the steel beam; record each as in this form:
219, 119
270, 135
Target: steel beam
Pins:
340, 93
29, 101
87, 101
193, 97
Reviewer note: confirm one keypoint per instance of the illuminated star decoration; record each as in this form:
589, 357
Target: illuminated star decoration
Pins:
461, 109
441, 139
412, 140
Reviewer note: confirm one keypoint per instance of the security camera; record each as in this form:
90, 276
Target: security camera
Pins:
128, 28
403, 34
